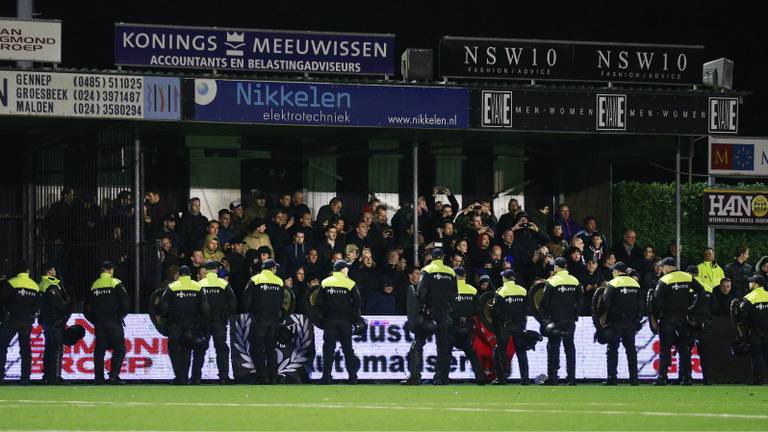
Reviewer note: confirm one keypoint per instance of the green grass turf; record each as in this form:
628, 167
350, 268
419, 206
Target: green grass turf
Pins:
383, 407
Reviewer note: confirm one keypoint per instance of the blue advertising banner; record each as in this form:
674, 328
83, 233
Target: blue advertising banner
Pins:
299, 103
254, 50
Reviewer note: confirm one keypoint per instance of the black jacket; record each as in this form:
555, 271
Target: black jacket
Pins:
562, 299
107, 300
185, 303
438, 289
264, 296
19, 298
55, 307
339, 298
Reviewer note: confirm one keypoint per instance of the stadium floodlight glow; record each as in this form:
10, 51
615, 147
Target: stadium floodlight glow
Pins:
718, 74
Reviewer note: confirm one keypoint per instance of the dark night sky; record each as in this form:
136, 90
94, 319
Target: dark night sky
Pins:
726, 29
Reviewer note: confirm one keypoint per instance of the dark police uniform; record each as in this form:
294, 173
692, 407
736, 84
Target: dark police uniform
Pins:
560, 305
339, 301
510, 305
672, 298
754, 312
222, 302
264, 296
187, 310
623, 300
19, 300
416, 351
437, 291
55, 309
700, 316
462, 329
107, 305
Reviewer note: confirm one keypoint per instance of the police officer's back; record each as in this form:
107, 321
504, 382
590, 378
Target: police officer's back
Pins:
754, 314
560, 305
106, 306
55, 310
437, 291
19, 302
264, 296
186, 306
673, 296
623, 301
510, 317
222, 302
339, 302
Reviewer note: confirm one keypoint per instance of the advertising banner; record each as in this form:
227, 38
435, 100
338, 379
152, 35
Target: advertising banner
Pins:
319, 104
570, 61
382, 351
741, 209
254, 50
53, 94
590, 112
738, 156
33, 40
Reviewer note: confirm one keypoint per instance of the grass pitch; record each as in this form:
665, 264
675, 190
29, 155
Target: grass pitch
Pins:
383, 407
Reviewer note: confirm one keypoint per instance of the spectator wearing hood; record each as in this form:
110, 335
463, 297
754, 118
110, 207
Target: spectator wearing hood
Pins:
211, 249
382, 301
576, 265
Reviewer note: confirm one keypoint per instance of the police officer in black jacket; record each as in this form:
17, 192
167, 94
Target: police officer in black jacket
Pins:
510, 304
673, 297
55, 309
753, 312
264, 297
463, 324
185, 304
106, 306
560, 307
19, 302
222, 302
437, 291
624, 303
339, 301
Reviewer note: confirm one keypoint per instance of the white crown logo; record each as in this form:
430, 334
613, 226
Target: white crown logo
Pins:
235, 37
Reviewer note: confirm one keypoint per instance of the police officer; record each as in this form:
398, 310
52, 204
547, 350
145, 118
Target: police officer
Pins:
673, 296
560, 304
222, 302
623, 301
55, 309
19, 302
339, 301
463, 322
106, 306
437, 291
422, 327
264, 296
754, 313
699, 318
510, 317
185, 304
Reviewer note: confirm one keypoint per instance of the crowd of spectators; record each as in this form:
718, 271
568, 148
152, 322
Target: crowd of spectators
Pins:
379, 248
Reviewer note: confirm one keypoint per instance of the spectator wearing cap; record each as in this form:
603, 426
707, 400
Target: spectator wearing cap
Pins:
484, 284
628, 251
211, 250
563, 217
594, 247
239, 220
168, 229
239, 268
738, 271
193, 225
258, 208
258, 236
575, 263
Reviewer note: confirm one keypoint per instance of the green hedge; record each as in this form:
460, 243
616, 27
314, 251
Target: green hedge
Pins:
649, 209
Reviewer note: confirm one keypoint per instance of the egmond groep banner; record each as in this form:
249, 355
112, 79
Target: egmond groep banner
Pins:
254, 50
320, 104
382, 351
